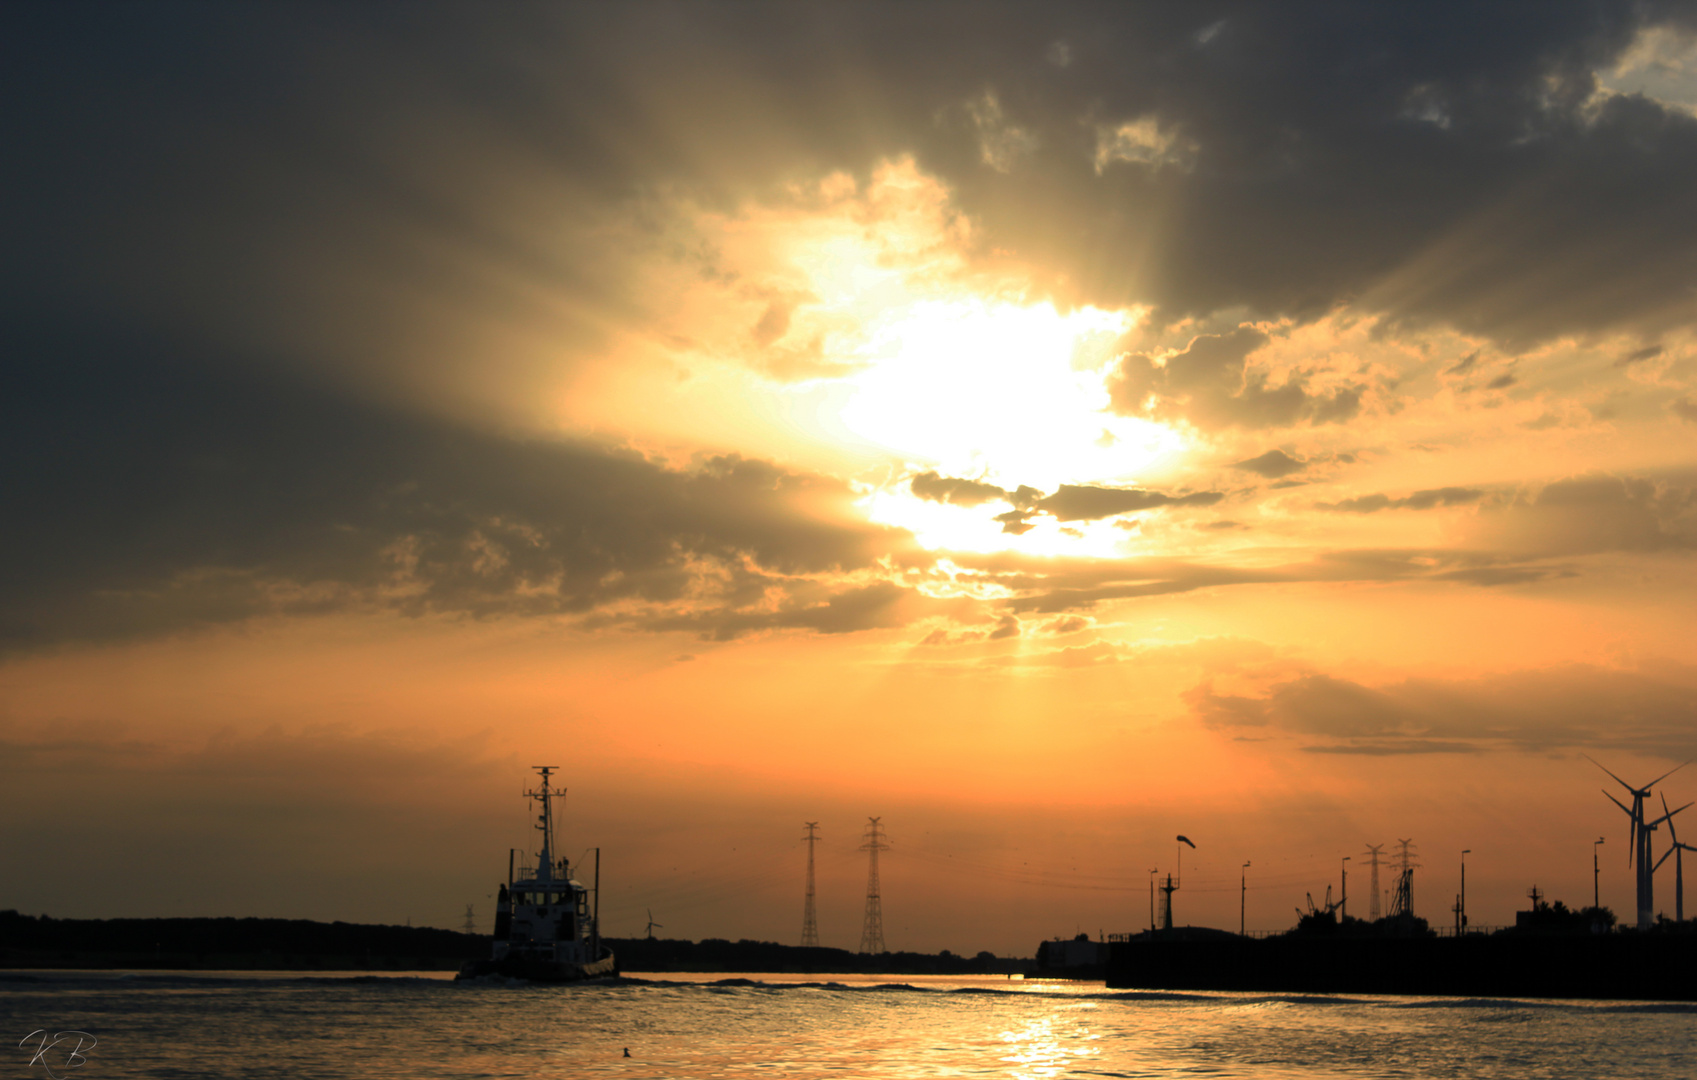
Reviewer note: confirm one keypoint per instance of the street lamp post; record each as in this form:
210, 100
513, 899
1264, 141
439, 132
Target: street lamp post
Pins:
1461, 926
1595, 901
1152, 874
1242, 897
1343, 890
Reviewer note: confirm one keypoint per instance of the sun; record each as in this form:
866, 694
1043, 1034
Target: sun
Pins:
979, 387
862, 327
1006, 393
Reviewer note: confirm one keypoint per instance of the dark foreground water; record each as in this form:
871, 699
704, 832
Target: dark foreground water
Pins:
287, 1025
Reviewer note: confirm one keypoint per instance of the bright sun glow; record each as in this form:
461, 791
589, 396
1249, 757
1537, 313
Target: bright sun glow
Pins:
1002, 393
855, 321
997, 391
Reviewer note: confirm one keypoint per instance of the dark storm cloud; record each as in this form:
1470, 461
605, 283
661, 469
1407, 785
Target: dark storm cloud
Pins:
1647, 353
1592, 514
871, 607
372, 180
1464, 365
1646, 711
1040, 585
1211, 385
143, 496
948, 489
1016, 522
1082, 502
1272, 465
1420, 500
1070, 502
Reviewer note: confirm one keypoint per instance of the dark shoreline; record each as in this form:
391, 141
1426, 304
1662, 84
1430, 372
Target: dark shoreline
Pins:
1625, 966
248, 944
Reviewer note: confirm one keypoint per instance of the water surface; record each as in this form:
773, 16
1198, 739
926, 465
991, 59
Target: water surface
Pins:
211, 1024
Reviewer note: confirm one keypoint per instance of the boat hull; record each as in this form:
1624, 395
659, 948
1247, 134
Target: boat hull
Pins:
533, 969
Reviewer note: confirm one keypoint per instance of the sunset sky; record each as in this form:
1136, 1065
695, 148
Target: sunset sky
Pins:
1051, 429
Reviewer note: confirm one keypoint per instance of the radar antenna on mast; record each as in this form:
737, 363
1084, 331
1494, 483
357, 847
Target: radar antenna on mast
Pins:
545, 824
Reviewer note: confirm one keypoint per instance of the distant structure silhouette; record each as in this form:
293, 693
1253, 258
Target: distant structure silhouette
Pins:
1677, 851
652, 925
872, 932
1402, 901
809, 918
470, 924
1638, 854
1172, 886
1374, 851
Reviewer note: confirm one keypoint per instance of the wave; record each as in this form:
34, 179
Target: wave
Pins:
1545, 1004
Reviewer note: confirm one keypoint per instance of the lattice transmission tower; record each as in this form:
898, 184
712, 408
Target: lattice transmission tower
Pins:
470, 924
1403, 902
872, 933
1373, 852
809, 918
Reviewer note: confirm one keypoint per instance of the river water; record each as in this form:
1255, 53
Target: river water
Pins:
285, 1025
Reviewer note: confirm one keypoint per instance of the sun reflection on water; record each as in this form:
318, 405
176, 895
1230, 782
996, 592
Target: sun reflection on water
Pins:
1047, 1046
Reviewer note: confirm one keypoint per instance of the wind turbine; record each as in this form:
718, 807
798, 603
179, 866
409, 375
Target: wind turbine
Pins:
1638, 851
1678, 853
652, 925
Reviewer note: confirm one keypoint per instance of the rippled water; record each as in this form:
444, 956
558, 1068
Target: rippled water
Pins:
286, 1025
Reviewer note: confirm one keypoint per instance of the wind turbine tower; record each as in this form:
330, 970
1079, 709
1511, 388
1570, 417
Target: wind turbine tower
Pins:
1373, 852
809, 918
1678, 852
1638, 851
872, 932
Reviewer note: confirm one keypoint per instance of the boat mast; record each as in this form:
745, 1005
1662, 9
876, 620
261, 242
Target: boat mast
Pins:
545, 822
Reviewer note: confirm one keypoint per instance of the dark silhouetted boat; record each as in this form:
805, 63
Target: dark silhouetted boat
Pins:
545, 927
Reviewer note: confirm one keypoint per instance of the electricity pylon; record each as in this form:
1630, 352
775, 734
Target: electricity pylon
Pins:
470, 925
872, 932
1403, 903
1373, 852
809, 919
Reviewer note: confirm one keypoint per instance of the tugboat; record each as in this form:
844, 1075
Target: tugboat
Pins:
545, 929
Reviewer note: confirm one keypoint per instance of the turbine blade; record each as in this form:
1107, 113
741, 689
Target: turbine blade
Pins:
1620, 804
1599, 765
1662, 777
1667, 816
1662, 860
